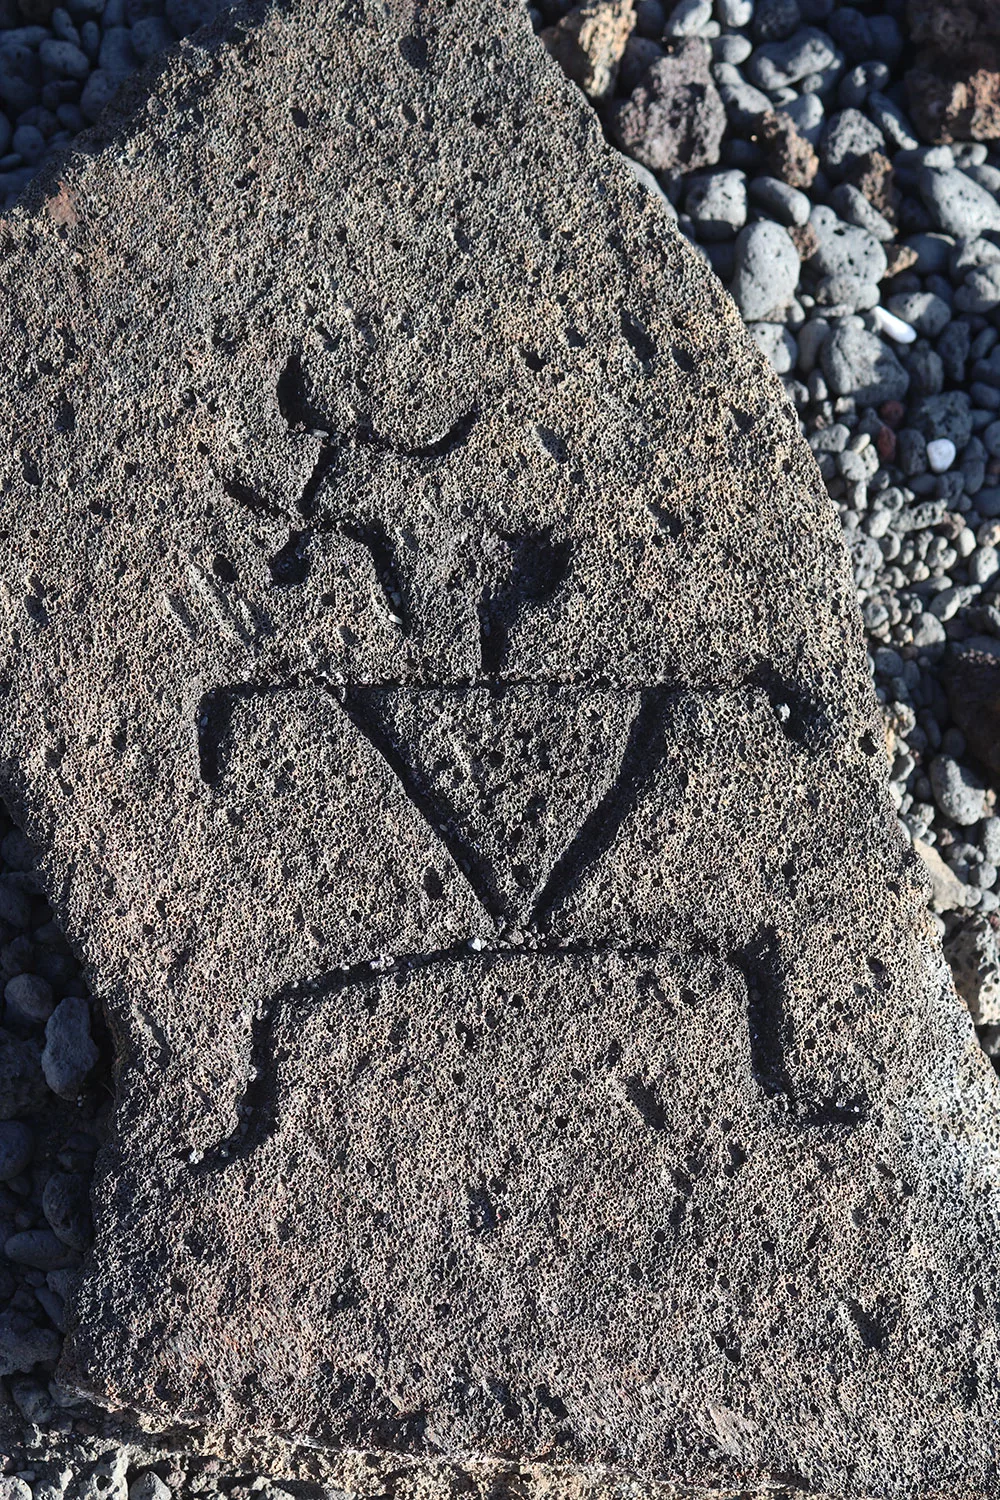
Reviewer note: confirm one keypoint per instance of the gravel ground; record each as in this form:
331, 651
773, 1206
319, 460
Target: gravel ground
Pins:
866, 264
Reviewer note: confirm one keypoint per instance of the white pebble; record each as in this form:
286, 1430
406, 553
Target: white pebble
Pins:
887, 322
941, 454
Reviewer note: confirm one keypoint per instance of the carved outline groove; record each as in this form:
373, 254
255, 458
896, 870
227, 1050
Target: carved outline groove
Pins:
258, 1107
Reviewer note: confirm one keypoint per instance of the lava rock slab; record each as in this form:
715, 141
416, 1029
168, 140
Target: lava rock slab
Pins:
434, 687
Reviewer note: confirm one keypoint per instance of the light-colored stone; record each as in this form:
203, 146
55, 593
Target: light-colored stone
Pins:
974, 961
948, 892
940, 455
589, 41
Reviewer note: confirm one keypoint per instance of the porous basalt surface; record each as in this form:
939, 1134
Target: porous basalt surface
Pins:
420, 605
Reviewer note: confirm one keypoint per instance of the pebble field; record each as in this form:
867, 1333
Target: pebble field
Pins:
865, 261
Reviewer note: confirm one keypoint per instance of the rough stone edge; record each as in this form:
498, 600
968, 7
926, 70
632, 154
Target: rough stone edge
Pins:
283, 1458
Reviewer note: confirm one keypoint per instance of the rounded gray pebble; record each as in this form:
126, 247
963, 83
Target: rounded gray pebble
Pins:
859, 364
150, 36
972, 255
186, 16
717, 203
776, 344
853, 208
15, 905
98, 92
958, 792
928, 313
29, 998
65, 58
23, 1345
933, 252
929, 632
70, 1055
980, 291
845, 248
744, 104
650, 18
16, 1146
767, 271
29, 143
991, 439
731, 48
90, 39
38, 1248
856, 85
70, 117
810, 339
959, 206
776, 65
117, 56
891, 121
807, 115
687, 18
990, 840
843, 290
775, 20
733, 12
984, 564
785, 204
66, 1206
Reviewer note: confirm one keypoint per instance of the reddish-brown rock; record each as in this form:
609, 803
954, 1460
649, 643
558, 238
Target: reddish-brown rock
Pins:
805, 239
885, 442
790, 157
892, 413
956, 105
873, 176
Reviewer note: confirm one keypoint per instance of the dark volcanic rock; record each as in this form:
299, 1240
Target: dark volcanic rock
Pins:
958, 103
952, 27
432, 665
954, 87
674, 119
973, 679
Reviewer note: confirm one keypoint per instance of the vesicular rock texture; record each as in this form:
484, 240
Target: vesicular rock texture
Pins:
431, 663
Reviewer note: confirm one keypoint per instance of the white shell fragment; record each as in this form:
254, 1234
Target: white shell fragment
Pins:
887, 323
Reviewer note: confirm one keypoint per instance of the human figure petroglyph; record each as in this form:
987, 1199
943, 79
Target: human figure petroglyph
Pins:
678, 1169
489, 763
